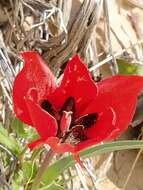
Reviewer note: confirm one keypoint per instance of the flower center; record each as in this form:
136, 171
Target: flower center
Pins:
71, 130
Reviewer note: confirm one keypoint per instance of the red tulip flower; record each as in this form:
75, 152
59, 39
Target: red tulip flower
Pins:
78, 112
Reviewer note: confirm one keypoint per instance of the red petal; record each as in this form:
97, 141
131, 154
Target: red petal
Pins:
130, 85
35, 74
58, 147
45, 124
104, 125
35, 144
101, 131
120, 93
76, 83
123, 92
55, 145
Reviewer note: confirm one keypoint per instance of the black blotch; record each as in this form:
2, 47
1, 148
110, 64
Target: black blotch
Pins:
87, 120
47, 106
69, 105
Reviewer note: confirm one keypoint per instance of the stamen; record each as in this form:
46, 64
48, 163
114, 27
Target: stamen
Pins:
87, 120
78, 132
70, 131
75, 135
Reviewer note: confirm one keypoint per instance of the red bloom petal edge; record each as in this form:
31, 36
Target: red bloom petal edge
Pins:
101, 131
42, 121
77, 114
120, 93
77, 83
35, 74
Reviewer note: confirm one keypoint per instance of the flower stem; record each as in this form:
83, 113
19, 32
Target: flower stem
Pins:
42, 170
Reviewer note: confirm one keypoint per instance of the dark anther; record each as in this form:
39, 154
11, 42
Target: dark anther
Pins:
87, 120
69, 105
78, 132
47, 106
75, 135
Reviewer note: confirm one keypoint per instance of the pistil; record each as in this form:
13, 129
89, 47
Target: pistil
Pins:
70, 130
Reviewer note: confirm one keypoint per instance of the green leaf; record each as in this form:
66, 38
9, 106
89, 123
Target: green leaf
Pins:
17, 186
18, 126
18, 181
126, 68
52, 186
29, 170
24, 131
9, 141
59, 166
